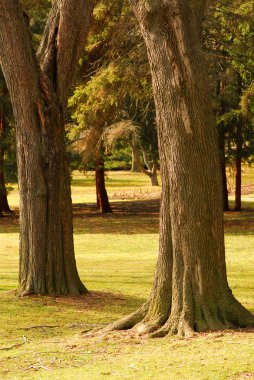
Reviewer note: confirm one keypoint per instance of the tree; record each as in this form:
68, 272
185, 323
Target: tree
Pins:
229, 38
116, 84
190, 291
101, 192
4, 143
39, 87
4, 205
139, 137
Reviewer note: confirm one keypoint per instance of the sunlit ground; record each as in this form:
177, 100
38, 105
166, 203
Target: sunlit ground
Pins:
43, 337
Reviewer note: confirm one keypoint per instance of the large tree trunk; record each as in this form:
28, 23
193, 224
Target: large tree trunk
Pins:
193, 294
38, 94
4, 205
101, 192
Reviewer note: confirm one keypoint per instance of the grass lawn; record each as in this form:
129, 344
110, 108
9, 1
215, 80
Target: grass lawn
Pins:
46, 338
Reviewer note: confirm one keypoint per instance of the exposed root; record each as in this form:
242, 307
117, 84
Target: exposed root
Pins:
180, 327
238, 316
25, 293
159, 333
129, 321
143, 328
186, 319
75, 291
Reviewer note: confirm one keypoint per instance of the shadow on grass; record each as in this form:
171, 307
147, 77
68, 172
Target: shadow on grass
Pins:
129, 217
133, 217
9, 223
101, 307
240, 222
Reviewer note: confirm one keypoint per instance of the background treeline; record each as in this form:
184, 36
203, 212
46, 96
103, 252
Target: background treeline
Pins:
111, 114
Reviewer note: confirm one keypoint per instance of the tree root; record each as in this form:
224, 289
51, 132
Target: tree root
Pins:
186, 320
226, 315
129, 321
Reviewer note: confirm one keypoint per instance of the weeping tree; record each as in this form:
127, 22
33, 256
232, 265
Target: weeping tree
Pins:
145, 159
190, 290
116, 83
89, 144
39, 86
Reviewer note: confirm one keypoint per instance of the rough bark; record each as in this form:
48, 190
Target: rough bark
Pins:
101, 192
4, 205
38, 90
193, 281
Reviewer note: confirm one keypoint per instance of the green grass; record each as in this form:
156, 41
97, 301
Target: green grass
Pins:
43, 338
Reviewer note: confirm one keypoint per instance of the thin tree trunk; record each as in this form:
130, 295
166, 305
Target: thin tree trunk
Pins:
238, 168
198, 296
154, 179
101, 192
151, 170
223, 169
135, 159
2, 184
47, 262
224, 186
4, 206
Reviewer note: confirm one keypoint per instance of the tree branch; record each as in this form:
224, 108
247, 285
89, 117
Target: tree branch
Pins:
48, 48
16, 54
63, 41
198, 7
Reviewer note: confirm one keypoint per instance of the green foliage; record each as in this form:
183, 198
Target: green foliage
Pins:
231, 32
230, 121
117, 85
37, 11
119, 158
229, 38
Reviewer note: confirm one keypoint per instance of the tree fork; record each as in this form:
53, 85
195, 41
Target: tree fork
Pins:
38, 94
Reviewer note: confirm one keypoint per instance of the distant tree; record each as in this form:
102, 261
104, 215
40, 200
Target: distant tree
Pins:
115, 84
39, 87
127, 131
190, 291
229, 40
101, 193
